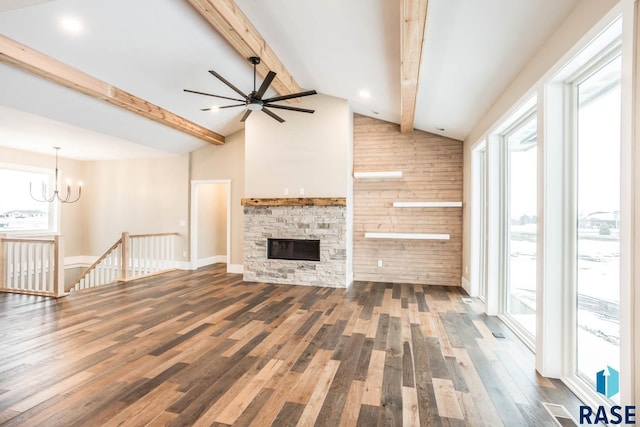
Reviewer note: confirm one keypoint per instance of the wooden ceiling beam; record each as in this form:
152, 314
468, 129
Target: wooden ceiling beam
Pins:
34, 62
227, 18
414, 18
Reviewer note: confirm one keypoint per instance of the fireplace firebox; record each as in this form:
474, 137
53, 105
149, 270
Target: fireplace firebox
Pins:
293, 249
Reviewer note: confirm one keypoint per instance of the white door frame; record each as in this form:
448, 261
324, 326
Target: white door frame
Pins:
193, 234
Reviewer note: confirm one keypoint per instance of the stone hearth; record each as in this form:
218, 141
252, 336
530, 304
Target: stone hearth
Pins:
325, 223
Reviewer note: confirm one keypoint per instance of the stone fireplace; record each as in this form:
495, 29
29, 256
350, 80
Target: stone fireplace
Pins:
296, 224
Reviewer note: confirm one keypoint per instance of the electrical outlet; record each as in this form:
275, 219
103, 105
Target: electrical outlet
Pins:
302, 191
379, 263
286, 191
184, 254
182, 223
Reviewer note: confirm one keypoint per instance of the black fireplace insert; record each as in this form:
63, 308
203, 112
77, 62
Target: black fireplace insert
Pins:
293, 249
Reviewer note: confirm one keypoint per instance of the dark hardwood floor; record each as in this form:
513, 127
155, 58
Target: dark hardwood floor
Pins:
206, 348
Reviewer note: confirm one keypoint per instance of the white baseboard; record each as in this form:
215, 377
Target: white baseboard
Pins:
82, 261
203, 262
235, 268
466, 285
185, 265
349, 279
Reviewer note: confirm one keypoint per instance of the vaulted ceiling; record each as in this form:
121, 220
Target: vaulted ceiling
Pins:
153, 49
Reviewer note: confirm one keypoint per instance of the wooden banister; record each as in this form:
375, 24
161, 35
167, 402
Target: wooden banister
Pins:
3, 262
133, 236
138, 255
58, 278
94, 265
33, 266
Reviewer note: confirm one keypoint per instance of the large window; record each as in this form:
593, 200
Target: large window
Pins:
19, 213
598, 219
521, 185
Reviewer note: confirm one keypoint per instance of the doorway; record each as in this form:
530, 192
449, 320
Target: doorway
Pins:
210, 222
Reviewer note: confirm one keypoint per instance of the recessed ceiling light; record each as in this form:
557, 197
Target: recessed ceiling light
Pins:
364, 94
71, 25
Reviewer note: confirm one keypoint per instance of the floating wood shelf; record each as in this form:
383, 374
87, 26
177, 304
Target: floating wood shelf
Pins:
378, 175
407, 236
427, 204
295, 201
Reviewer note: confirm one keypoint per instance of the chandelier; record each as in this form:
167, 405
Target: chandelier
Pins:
56, 193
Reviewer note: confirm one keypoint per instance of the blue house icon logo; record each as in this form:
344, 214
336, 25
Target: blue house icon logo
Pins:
608, 382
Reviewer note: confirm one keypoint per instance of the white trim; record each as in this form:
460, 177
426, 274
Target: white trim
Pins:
427, 204
630, 207
184, 265
523, 334
466, 285
53, 211
79, 261
377, 175
193, 234
408, 236
235, 268
203, 262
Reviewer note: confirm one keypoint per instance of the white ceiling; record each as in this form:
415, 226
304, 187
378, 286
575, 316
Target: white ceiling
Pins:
156, 48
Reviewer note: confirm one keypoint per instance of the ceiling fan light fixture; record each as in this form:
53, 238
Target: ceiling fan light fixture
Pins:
254, 101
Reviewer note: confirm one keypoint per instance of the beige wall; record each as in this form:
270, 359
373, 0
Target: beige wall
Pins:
212, 220
575, 28
226, 161
73, 221
139, 196
309, 151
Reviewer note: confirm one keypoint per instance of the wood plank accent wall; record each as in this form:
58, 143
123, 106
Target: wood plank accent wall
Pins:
432, 171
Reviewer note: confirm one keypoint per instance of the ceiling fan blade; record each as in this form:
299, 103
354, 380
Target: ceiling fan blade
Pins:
265, 84
210, 94
225, 106
234, 105
293, 95
285, 107
223, 80
245, 115
272, 114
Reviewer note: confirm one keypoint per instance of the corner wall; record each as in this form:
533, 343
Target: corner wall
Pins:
226, 161
128, 195
309, 151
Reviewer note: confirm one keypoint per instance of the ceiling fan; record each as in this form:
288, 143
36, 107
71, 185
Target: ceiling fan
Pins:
253, 101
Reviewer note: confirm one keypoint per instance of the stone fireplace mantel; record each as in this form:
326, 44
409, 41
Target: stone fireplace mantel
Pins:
295, 201
320, 219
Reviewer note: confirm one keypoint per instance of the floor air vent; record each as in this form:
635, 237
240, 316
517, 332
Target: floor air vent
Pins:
560, 415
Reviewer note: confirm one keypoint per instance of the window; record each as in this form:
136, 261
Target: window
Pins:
19, 213
597, 263
521, 187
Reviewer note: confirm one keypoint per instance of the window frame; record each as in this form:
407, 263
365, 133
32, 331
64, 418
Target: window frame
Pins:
53, 213
607, 54
515, 124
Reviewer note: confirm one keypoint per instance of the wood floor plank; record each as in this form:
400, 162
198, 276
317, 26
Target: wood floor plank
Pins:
206, 348
446, 399
351, 409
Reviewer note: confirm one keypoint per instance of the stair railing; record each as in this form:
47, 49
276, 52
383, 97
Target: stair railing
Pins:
131, 257
32, 266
